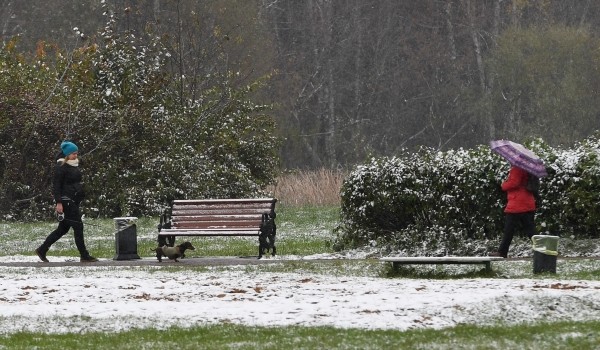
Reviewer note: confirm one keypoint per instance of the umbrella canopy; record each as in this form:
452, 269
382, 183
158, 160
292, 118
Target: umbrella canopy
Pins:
519, 156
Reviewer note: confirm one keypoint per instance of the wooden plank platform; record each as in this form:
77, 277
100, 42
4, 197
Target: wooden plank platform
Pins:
403, 260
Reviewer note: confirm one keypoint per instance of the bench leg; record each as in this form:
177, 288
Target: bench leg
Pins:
166, 241
488, 266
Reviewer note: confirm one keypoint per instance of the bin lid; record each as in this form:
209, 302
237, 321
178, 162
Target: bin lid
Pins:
545, 244
124, 222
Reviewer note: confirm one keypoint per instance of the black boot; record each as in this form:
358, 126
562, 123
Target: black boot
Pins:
41, 253
88, 258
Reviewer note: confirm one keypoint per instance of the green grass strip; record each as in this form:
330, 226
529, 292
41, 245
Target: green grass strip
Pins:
560, 335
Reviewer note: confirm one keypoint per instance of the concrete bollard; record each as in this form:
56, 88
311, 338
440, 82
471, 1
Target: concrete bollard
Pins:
126, 238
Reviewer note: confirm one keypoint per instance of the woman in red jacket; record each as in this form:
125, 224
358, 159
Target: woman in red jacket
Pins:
519, 211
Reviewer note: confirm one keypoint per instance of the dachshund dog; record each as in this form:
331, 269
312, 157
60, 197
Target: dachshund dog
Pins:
173, 253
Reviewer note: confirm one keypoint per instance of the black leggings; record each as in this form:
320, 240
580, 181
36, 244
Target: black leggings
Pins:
511, 223
72, 219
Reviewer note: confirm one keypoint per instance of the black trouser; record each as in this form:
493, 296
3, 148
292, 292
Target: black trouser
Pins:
511, 223
72, 219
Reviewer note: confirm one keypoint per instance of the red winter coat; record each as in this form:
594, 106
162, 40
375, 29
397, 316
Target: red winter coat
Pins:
519, 199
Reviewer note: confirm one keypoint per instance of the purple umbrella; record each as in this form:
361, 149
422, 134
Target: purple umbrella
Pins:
519, 156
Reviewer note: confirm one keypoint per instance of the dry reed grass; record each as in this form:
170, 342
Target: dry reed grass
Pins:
309, 187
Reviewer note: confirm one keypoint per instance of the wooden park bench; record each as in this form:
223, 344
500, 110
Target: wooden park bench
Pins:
485, 260
221, 217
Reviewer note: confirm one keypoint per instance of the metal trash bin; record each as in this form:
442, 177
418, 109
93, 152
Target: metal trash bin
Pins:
545, 251
126, 238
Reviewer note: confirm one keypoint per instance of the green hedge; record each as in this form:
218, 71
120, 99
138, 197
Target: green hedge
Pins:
444, 202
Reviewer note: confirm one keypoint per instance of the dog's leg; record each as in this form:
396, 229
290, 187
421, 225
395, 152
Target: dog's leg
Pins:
272, 244
158, 252
262, 244
273, 236
261, 249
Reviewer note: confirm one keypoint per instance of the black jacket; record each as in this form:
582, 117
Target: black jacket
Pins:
66, 183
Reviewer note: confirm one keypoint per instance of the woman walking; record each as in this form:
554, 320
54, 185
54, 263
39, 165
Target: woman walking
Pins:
67, 190
519, 211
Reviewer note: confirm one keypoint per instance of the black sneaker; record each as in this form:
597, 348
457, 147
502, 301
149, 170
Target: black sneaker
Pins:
41, 255
88, 259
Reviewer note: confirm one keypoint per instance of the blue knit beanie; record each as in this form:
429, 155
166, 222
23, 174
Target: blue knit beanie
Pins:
68, 147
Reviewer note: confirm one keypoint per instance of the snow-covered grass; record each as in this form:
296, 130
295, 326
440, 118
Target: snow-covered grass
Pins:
83, 299
301, 231
347, 291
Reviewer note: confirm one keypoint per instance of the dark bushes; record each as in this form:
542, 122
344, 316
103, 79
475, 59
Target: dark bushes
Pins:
142, 141
438, 203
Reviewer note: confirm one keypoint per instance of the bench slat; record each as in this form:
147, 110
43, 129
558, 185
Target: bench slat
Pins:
228, 201
222, 205
442, 259
230, 217
213, 224
203, 223
209, 232
177, 211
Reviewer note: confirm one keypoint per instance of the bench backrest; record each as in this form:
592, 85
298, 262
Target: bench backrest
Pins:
220, 213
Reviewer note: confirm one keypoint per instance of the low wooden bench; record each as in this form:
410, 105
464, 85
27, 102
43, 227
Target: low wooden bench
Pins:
221, 217
485, 260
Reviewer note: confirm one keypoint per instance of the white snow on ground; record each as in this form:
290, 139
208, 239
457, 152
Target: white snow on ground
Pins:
75, 299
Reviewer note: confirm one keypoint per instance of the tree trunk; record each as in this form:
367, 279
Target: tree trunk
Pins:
323, 41
451, 38
8, 15
489, 120
357, 58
